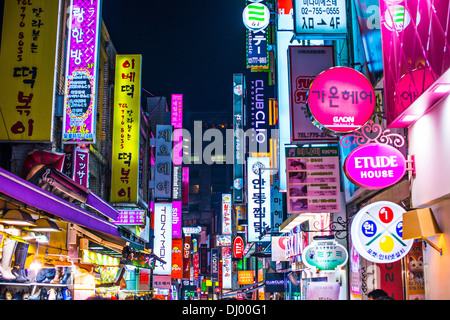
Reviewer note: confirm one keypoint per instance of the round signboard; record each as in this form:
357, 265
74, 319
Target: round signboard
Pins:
256, 16
375, 166
377, 231
325, 255
340, 100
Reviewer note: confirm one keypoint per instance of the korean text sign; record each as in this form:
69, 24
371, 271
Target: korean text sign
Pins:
226, 213
163, 162
27, 69
313, 179
162, 242
80, 90
125, 150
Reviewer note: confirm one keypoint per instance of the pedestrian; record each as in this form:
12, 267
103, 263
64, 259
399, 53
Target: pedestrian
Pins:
378, 294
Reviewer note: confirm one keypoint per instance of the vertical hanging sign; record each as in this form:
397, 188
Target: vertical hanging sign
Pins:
258, 213
163, 166
27, 69
80, 89
81, 166
162, 243
126, 132
238, 137
226, 213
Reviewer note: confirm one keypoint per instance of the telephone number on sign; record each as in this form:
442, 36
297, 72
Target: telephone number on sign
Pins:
320, 10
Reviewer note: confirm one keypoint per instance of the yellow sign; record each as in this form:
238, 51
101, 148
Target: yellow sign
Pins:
27, 69
125, 150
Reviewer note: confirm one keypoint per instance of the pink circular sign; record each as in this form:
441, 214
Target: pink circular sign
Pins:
341, 99
375, 166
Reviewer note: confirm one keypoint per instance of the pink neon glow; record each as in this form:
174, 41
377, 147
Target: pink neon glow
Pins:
341, 99
375, 166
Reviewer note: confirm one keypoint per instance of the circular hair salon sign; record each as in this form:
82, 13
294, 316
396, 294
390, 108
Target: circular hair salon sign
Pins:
377, 231
256, 16
340, 100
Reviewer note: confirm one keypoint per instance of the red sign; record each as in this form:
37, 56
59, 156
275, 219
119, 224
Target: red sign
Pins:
341, 99
391, 279
238, 247
196, 266
177, 258
187, 257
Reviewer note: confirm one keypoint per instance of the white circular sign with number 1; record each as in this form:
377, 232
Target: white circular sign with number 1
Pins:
377, 231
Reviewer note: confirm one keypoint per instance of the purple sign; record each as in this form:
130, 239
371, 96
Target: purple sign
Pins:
375, 166
131, 217
176, 219
80, 90
415, 53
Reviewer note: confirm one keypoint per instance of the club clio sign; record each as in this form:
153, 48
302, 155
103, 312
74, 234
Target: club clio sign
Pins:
340, 100
375, 166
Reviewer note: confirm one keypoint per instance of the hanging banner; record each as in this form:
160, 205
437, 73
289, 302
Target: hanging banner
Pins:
27, 69
258, 198
325, 255
162, 242
80, 89
226, 213
377, 231
313, 180
238, 138
226, 268
177, 258
302, 74
215, 264
126, 130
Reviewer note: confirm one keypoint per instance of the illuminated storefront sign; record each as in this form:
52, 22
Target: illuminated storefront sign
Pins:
313, 180
163, 162
256, 18
81, 166
377, 231
162, 243
320, 19
80, 93
223, 240
341, 99
238, 247
226, 268
258, 198
176, 219
226, 213
187, 257
27, 69
126, 130
238, 137
375, 166
177, 258
131, 217
246, 277
302, 74
325, 255
177, 123
256, 15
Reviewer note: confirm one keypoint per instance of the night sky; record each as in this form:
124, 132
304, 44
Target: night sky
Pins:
188, 47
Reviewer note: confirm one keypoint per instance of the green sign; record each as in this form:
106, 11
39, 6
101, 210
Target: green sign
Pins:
325, 255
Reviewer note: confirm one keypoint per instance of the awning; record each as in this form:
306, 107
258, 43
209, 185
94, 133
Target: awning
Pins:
28, 193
